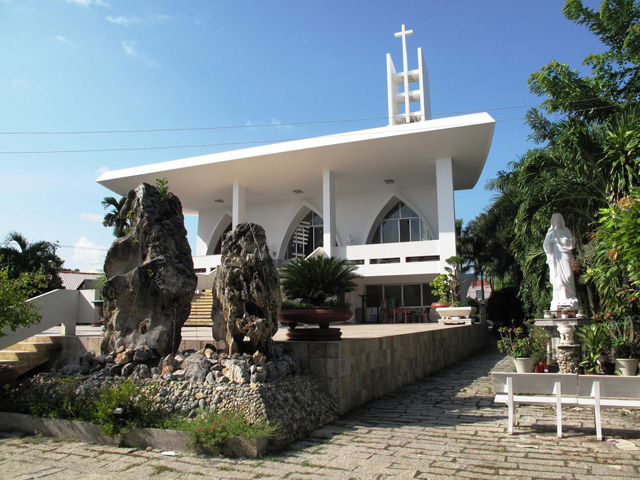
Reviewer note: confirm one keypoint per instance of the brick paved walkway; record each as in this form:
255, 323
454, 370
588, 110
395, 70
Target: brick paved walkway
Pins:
444, 426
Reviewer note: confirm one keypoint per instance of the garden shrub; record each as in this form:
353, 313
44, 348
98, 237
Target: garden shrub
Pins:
504, 308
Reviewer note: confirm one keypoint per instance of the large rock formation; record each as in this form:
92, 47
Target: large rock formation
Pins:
246, 292
147, 297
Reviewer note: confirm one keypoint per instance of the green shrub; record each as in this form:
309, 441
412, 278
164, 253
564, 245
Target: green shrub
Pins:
209, 431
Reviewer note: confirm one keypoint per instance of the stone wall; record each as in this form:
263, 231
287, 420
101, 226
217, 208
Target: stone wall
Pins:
355, 371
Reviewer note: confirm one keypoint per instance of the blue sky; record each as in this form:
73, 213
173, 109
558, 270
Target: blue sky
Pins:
105, 65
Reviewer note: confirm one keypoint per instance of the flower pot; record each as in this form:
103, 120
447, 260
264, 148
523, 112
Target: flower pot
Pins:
321, 316
540, 367
608, 368
628, 366
525, 365
436, 305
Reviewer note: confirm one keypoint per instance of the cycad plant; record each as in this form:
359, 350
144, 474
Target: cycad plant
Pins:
314, 280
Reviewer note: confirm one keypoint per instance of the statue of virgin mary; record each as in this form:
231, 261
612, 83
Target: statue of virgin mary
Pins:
558, 245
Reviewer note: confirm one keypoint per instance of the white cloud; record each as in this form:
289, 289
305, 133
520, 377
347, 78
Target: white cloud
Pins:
160, 18
125, 21
87, 256
130, 48
62, 39
92, 217
88, 3
21, 84
103, 169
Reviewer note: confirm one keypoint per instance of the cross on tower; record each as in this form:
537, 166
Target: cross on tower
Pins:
407, 103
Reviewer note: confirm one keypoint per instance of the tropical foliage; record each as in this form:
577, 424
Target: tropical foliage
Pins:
316, 279
584, 165
113, 218
527, 341
21, 256
14, 292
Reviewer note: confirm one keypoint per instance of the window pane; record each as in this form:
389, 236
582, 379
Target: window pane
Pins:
415, 230
393, 295
404, 230
394, 212
406, 212
376, 236
374, 295
411, 295
425, 232
317, 237
389, 231
427, 297
317, 219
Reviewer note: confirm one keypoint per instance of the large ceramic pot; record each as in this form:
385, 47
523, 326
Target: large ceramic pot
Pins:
436, 305
525, 365
628, 366
321, 316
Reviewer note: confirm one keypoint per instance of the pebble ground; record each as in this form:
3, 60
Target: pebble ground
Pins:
444, 426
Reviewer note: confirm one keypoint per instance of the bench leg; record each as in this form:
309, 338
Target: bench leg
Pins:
559, 408
510, 405
596, 410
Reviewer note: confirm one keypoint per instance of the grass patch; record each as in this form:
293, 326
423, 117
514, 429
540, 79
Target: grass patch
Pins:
158, 469
223, 468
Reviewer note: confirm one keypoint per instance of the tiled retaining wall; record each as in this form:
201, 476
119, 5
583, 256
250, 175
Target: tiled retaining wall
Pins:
356, 371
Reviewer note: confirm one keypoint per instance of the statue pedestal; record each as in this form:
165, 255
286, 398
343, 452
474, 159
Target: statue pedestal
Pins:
552, 325
568, 358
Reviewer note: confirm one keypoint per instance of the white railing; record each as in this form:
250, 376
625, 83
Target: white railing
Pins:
58, 307
403, 258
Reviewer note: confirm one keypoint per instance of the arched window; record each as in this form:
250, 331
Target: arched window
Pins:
401, 224
218, 249
306, 237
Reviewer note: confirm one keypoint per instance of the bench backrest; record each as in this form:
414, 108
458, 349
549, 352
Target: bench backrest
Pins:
536, 383
610, 386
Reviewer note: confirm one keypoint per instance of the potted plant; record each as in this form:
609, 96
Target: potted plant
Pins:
450, 286
526, 345
440, 288
625, 338
564, 313
315, 290
596, 346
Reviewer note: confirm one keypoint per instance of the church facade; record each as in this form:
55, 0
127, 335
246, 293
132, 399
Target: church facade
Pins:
381, 198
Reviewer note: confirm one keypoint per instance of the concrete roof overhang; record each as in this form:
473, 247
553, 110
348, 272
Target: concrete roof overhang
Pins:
358, 160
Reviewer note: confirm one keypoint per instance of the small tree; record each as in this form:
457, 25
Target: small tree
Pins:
15, 312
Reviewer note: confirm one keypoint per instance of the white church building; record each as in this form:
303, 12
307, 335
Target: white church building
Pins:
382, 198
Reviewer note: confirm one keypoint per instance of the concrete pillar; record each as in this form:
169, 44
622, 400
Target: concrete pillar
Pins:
238, 213
446, 210
328, 212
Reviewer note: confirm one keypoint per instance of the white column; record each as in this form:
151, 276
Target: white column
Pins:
238, 213
446, 210
328, 212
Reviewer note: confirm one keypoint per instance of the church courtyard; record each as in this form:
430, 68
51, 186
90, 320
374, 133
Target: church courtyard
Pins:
443, 426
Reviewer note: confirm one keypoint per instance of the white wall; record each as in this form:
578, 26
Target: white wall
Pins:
355, 216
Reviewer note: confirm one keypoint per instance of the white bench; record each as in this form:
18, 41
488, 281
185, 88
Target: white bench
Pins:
566, 389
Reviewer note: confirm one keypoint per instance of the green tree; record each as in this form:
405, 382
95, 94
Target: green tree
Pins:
21, 256
15, 312
586, 159
113, 217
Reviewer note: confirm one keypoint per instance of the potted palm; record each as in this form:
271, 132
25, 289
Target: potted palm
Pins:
315, 290
625, 339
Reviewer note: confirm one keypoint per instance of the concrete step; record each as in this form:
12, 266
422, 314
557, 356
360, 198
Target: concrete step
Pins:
28, 346
29, 354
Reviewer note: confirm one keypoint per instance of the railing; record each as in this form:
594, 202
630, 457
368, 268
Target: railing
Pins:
58, 307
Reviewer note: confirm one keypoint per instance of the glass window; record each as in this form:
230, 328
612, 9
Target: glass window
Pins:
218, 249
306, 237
411, 295
393, 295
374, 295
427, 297
401, 224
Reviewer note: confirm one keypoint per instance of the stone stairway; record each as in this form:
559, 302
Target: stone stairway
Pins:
29, 354
200, 310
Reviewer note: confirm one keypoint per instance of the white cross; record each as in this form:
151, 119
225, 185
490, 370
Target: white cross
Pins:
403, 33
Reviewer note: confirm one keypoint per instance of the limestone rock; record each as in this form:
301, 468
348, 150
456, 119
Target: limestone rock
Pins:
196, 367
246, 292
147, 297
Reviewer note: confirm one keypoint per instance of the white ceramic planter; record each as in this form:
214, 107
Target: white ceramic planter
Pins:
460, 312
628, 366
525, 365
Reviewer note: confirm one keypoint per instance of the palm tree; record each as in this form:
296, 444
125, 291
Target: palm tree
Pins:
113, 217
22, 256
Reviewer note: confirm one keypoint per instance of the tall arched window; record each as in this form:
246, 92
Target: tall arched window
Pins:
401, 224
306, 237
218, 249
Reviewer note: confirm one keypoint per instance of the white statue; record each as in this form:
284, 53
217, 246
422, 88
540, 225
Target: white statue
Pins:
558, 245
